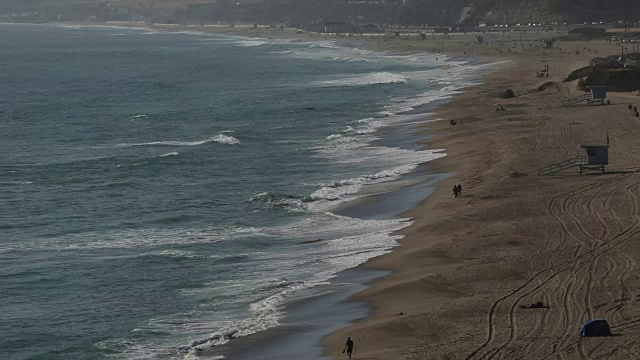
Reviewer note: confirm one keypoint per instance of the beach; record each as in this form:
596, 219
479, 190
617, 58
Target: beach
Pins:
207, 206
457, 284
468, 265
465, 272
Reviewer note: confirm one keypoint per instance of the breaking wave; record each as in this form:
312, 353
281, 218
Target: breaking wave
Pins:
366, 79
252, 43
174, 153
222, 138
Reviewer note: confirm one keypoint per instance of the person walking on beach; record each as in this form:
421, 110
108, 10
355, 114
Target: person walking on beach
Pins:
455, 191
459, 190
348, 347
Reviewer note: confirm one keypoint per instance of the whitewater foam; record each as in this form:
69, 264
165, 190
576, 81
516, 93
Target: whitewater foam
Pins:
174, 153
221, 138
252, 43
366, 79
348, 243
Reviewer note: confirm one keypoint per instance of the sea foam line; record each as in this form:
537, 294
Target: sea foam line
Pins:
221, 138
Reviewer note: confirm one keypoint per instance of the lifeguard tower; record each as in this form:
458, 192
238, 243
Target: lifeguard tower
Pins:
597, 96
595, 161
597, 158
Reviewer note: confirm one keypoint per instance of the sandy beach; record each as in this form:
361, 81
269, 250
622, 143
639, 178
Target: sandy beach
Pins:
468, 264
467, 267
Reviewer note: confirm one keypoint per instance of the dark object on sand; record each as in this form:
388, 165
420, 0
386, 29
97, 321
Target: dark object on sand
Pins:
545, 86
309, 241
453, 123
400, 314
536, 305
596, 327
508, 94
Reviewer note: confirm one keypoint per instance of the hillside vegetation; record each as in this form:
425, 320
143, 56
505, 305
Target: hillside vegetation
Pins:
401, 12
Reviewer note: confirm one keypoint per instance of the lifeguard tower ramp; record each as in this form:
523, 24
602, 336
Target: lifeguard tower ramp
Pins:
595, 161
597, 96
563, 165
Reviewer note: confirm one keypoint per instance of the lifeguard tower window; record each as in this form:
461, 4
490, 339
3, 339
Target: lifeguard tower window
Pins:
591, 152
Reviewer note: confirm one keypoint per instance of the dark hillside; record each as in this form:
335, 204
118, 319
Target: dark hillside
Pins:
402, 12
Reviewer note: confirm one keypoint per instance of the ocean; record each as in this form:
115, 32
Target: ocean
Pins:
166, 192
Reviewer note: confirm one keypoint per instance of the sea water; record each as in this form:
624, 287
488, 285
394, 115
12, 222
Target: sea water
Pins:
165, 191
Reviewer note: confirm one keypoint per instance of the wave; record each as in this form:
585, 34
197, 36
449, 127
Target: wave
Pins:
276, 200
174, 153
221, 138
331, 194
174, 254
366, 79
14, 183
252, 43
347, 243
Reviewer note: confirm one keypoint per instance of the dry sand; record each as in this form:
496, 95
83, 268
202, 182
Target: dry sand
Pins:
514, 238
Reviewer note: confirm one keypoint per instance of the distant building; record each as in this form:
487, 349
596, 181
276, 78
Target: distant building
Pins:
339, 27
371, 28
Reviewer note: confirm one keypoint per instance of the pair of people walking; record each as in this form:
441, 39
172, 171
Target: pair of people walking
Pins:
457, 190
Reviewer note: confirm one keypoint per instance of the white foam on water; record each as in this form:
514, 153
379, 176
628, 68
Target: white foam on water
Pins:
221, 138
252, 43
135, 239
173, 253
225, 139
366, 79
347, 243
173, 153
331, 194
16, 182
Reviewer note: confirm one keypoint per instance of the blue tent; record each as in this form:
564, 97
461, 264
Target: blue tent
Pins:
596, 327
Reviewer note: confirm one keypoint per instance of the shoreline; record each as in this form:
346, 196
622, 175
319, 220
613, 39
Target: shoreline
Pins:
466, 265
302, 329
453, 284
367, 275
364, 275
365, 308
